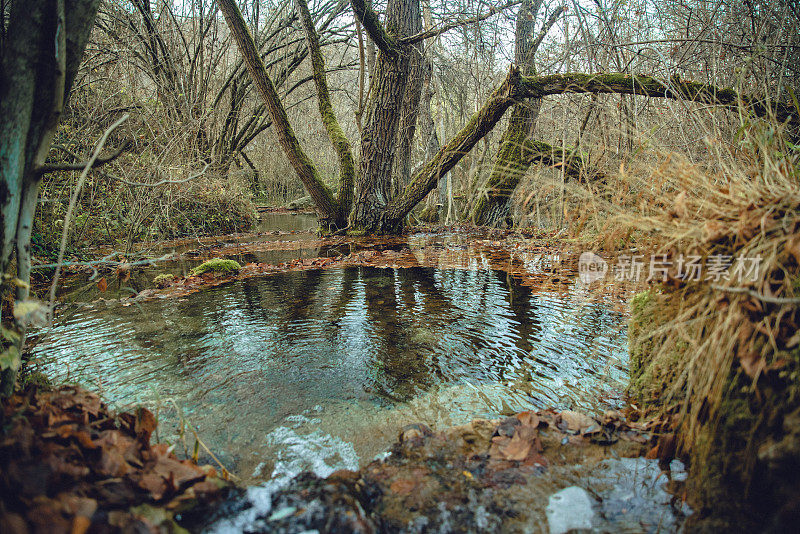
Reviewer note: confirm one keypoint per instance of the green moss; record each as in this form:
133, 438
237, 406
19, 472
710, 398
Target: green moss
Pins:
216, 265
35, 378
163, 280
640, 344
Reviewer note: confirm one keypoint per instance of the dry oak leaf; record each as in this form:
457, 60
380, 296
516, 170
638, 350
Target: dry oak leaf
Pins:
576, 421
403, 486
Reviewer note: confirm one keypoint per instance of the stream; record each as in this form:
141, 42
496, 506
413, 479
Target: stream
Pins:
318, 369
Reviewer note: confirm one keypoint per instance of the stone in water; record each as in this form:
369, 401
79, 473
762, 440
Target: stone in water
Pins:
570, 508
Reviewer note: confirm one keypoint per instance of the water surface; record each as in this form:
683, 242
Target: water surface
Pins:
350, 354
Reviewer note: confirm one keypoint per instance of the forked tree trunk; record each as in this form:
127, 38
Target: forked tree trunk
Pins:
373, 210
384, 108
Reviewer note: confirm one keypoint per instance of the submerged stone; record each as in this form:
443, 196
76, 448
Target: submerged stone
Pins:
569, 509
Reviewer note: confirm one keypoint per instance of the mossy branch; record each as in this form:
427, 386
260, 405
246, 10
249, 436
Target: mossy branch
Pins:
336, 135
513, 161
369, 19
631, 84
302, 164
427, 177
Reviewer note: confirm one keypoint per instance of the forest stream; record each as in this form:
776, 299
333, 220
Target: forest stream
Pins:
317, 370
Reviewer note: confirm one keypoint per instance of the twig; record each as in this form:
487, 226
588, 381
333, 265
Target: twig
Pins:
755, 294
98, 161
107, 159
160, 182
73, 200
433, 32
148, 261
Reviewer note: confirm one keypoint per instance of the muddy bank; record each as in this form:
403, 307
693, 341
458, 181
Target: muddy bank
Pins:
534, 472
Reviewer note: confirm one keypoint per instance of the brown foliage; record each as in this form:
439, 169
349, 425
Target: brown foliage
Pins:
68, 464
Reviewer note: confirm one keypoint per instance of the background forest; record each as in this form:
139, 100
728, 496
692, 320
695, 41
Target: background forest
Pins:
173, 66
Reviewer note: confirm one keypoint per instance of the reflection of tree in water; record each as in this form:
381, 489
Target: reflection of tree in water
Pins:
402, 362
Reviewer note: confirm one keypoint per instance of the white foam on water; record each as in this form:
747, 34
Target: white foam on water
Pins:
320, 453
568, 509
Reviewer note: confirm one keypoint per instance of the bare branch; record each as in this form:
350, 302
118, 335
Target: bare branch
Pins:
73, 199
160, 182
433, 32
98, 162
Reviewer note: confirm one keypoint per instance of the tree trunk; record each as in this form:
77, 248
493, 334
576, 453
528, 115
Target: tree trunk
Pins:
384, 108
306, 170
40, 58
409, 114
492, 206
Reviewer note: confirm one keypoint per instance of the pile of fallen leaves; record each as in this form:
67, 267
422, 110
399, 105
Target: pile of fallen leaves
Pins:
69, 464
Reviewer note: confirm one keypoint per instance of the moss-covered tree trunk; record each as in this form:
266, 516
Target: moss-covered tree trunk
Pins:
492, 205
40, 57
324, 200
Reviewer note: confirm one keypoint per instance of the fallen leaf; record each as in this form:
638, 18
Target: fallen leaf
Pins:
102, 284
403, 486
575, 421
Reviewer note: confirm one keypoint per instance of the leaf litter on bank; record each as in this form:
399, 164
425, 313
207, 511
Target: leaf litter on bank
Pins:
67, 463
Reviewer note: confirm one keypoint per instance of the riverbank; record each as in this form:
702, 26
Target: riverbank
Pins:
73, 465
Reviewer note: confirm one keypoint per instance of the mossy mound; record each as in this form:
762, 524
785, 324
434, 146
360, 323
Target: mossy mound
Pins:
163, 280
742, 439
216, 265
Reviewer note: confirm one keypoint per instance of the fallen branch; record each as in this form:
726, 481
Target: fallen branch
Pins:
755, 294
633, 84
98, 161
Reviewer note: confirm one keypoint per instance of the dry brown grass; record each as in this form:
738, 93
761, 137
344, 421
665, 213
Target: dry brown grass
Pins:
722, 356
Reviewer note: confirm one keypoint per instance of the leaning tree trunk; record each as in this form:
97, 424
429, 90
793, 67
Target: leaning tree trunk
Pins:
388, 88
493, 205
40, 58
327, 205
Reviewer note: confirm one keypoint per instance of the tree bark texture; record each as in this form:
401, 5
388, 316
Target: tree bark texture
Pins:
384, 108
40, 58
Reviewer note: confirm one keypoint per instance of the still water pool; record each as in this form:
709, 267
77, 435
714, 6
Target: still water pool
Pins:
345, 356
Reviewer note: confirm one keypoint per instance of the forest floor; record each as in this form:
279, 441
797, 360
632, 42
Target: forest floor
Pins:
70, 464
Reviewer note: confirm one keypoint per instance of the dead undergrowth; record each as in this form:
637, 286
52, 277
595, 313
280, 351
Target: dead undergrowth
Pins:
717, 354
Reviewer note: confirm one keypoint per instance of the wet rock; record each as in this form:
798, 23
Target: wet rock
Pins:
300, 203
569, 509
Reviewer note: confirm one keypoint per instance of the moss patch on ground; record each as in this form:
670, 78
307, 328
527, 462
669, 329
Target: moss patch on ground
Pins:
216, 265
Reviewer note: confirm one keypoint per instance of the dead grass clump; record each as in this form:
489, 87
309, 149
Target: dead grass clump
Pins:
721, 351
